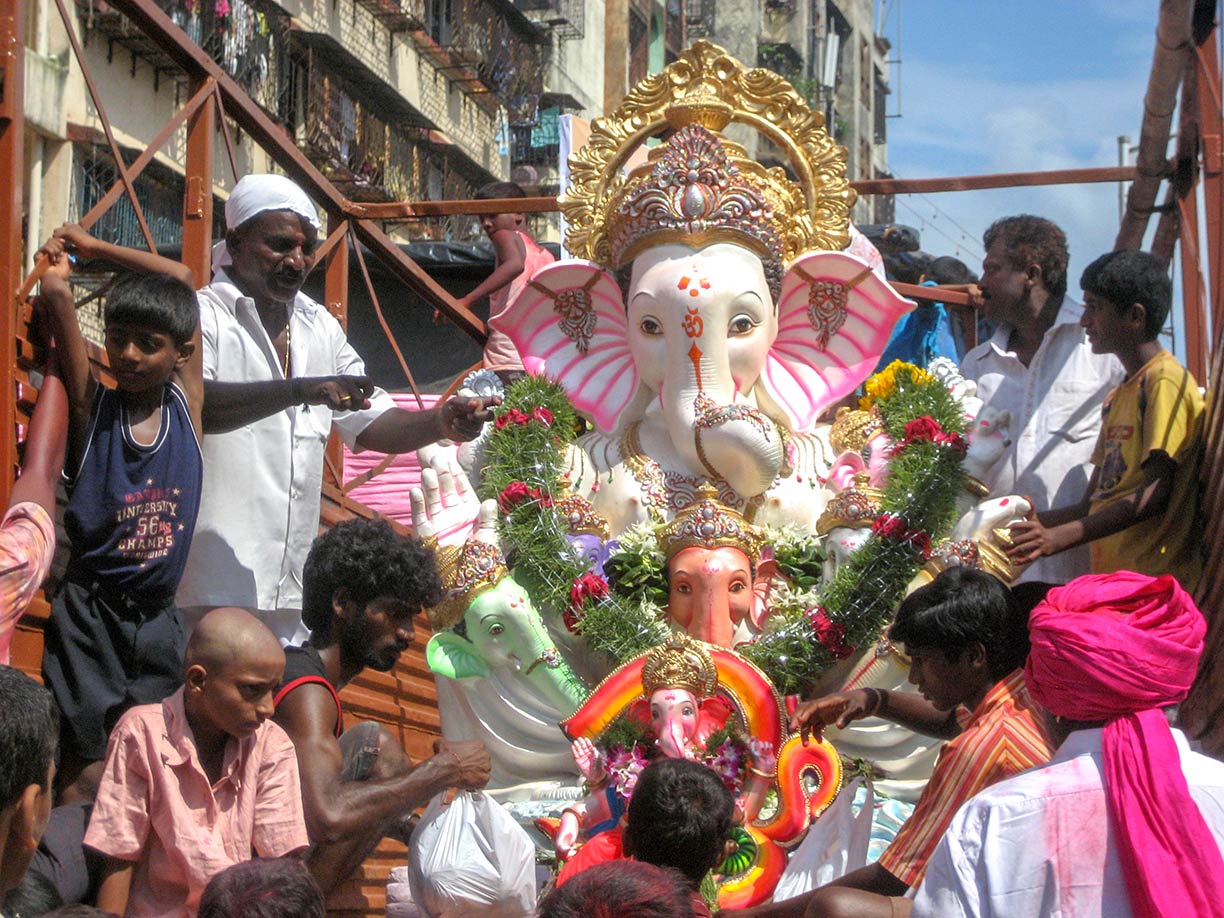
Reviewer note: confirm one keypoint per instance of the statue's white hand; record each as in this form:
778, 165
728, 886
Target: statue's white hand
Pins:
588, 760
444, 506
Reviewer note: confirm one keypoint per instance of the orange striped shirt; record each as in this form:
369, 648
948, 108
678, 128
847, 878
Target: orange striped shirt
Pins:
1002, 737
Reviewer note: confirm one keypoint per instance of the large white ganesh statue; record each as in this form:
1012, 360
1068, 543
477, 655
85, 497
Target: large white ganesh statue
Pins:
714, 316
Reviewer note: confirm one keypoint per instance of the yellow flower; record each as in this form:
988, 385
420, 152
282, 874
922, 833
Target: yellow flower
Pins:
884, 384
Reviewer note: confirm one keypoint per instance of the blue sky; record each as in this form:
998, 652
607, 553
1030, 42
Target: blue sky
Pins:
989, 86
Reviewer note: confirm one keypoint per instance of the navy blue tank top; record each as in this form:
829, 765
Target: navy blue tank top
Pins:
132, 508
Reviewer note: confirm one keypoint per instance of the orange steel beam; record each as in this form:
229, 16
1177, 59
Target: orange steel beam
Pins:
197, 193
12, 168
538, 205
1194, 295
106, 128
138, 166
1211, 132
157, 26
335, 298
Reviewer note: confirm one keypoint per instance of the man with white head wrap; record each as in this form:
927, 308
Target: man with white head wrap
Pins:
279, 372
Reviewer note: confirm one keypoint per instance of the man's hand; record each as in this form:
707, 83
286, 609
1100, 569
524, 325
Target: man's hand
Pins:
468, 762
339, 393
463, 416
1030, 540
837, 710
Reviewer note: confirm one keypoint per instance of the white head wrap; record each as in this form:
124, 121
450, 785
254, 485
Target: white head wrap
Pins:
255, 194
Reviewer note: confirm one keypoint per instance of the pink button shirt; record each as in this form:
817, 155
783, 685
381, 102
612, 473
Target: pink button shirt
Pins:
155, 806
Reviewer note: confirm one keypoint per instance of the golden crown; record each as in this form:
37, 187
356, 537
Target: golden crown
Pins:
579, 517
853, 428
682, 662
699, 187
709, 523
856, 507
466, 571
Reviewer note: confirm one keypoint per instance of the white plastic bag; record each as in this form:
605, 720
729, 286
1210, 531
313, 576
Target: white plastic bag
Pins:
835, 844
470, 859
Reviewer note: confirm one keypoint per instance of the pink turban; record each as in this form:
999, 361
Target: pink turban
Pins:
1118, 648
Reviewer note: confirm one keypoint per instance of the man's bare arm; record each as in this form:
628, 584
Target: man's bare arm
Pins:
230, 405
337, 810
116, 886
44, 446
400, 431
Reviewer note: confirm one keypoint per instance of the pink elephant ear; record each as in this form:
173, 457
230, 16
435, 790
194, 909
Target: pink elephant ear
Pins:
844, 468
569, 324
834, 320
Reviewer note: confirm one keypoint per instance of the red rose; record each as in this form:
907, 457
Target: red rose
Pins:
889, 526
920, 541
543, 498
512, 495
513, 416
588, 586
543, 415
952, 441
571, 618
831, 635
923, 428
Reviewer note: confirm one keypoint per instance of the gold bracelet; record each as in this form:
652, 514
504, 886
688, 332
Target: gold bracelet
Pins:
768, 776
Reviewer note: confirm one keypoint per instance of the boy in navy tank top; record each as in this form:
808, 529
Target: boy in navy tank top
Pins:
115, 638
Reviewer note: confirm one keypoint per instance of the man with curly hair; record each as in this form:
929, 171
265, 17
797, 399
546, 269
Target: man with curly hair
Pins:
362, 585
1039, 367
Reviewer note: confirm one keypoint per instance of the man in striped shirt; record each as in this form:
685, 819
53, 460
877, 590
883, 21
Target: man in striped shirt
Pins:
967, 640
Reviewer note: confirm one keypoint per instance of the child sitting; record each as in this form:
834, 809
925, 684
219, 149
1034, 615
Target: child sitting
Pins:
1140, 509
194, 784
516, 257
133, 471
680, 817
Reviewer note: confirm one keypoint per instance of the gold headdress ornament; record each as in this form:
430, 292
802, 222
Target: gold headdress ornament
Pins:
466, 572
699, 187
856, 507
853, 428
578, 516
708, 523
682, 663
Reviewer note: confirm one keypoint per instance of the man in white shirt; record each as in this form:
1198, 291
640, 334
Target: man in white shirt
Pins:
1125, 819
1039, 366
279, 372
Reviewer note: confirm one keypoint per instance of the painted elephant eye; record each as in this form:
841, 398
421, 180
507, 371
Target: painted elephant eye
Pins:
496, 629
741, 325
683, 588
651, 326
738, 587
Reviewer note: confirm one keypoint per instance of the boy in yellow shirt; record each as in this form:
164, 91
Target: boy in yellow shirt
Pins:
1140, 511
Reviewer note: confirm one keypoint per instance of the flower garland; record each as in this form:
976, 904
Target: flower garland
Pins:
927, 424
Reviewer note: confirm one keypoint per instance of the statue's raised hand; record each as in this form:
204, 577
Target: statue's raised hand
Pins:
445, 506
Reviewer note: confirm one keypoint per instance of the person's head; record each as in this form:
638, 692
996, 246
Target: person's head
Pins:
680, 816
361, 586
1109, 645
35, 895
233, 667
948, 270
1127, 296
79, 911
272, 232
263, 888
1025, 256
963, 632
150, 319
494, 191
29, 739
620, 889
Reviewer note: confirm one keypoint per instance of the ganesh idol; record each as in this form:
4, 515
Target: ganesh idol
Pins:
713, 316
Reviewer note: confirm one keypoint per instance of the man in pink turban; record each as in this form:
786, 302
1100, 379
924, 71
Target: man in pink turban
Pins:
1125, 819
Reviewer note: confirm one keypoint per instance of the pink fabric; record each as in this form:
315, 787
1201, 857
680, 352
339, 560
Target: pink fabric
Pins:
156, 807
1117, 648
27, 545
499, 351
387, 492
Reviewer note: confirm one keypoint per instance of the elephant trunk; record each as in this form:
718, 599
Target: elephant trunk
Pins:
554, 679
716, 436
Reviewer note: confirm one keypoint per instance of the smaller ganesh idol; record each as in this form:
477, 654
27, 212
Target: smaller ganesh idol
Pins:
687, 699
585, 530
718, 571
